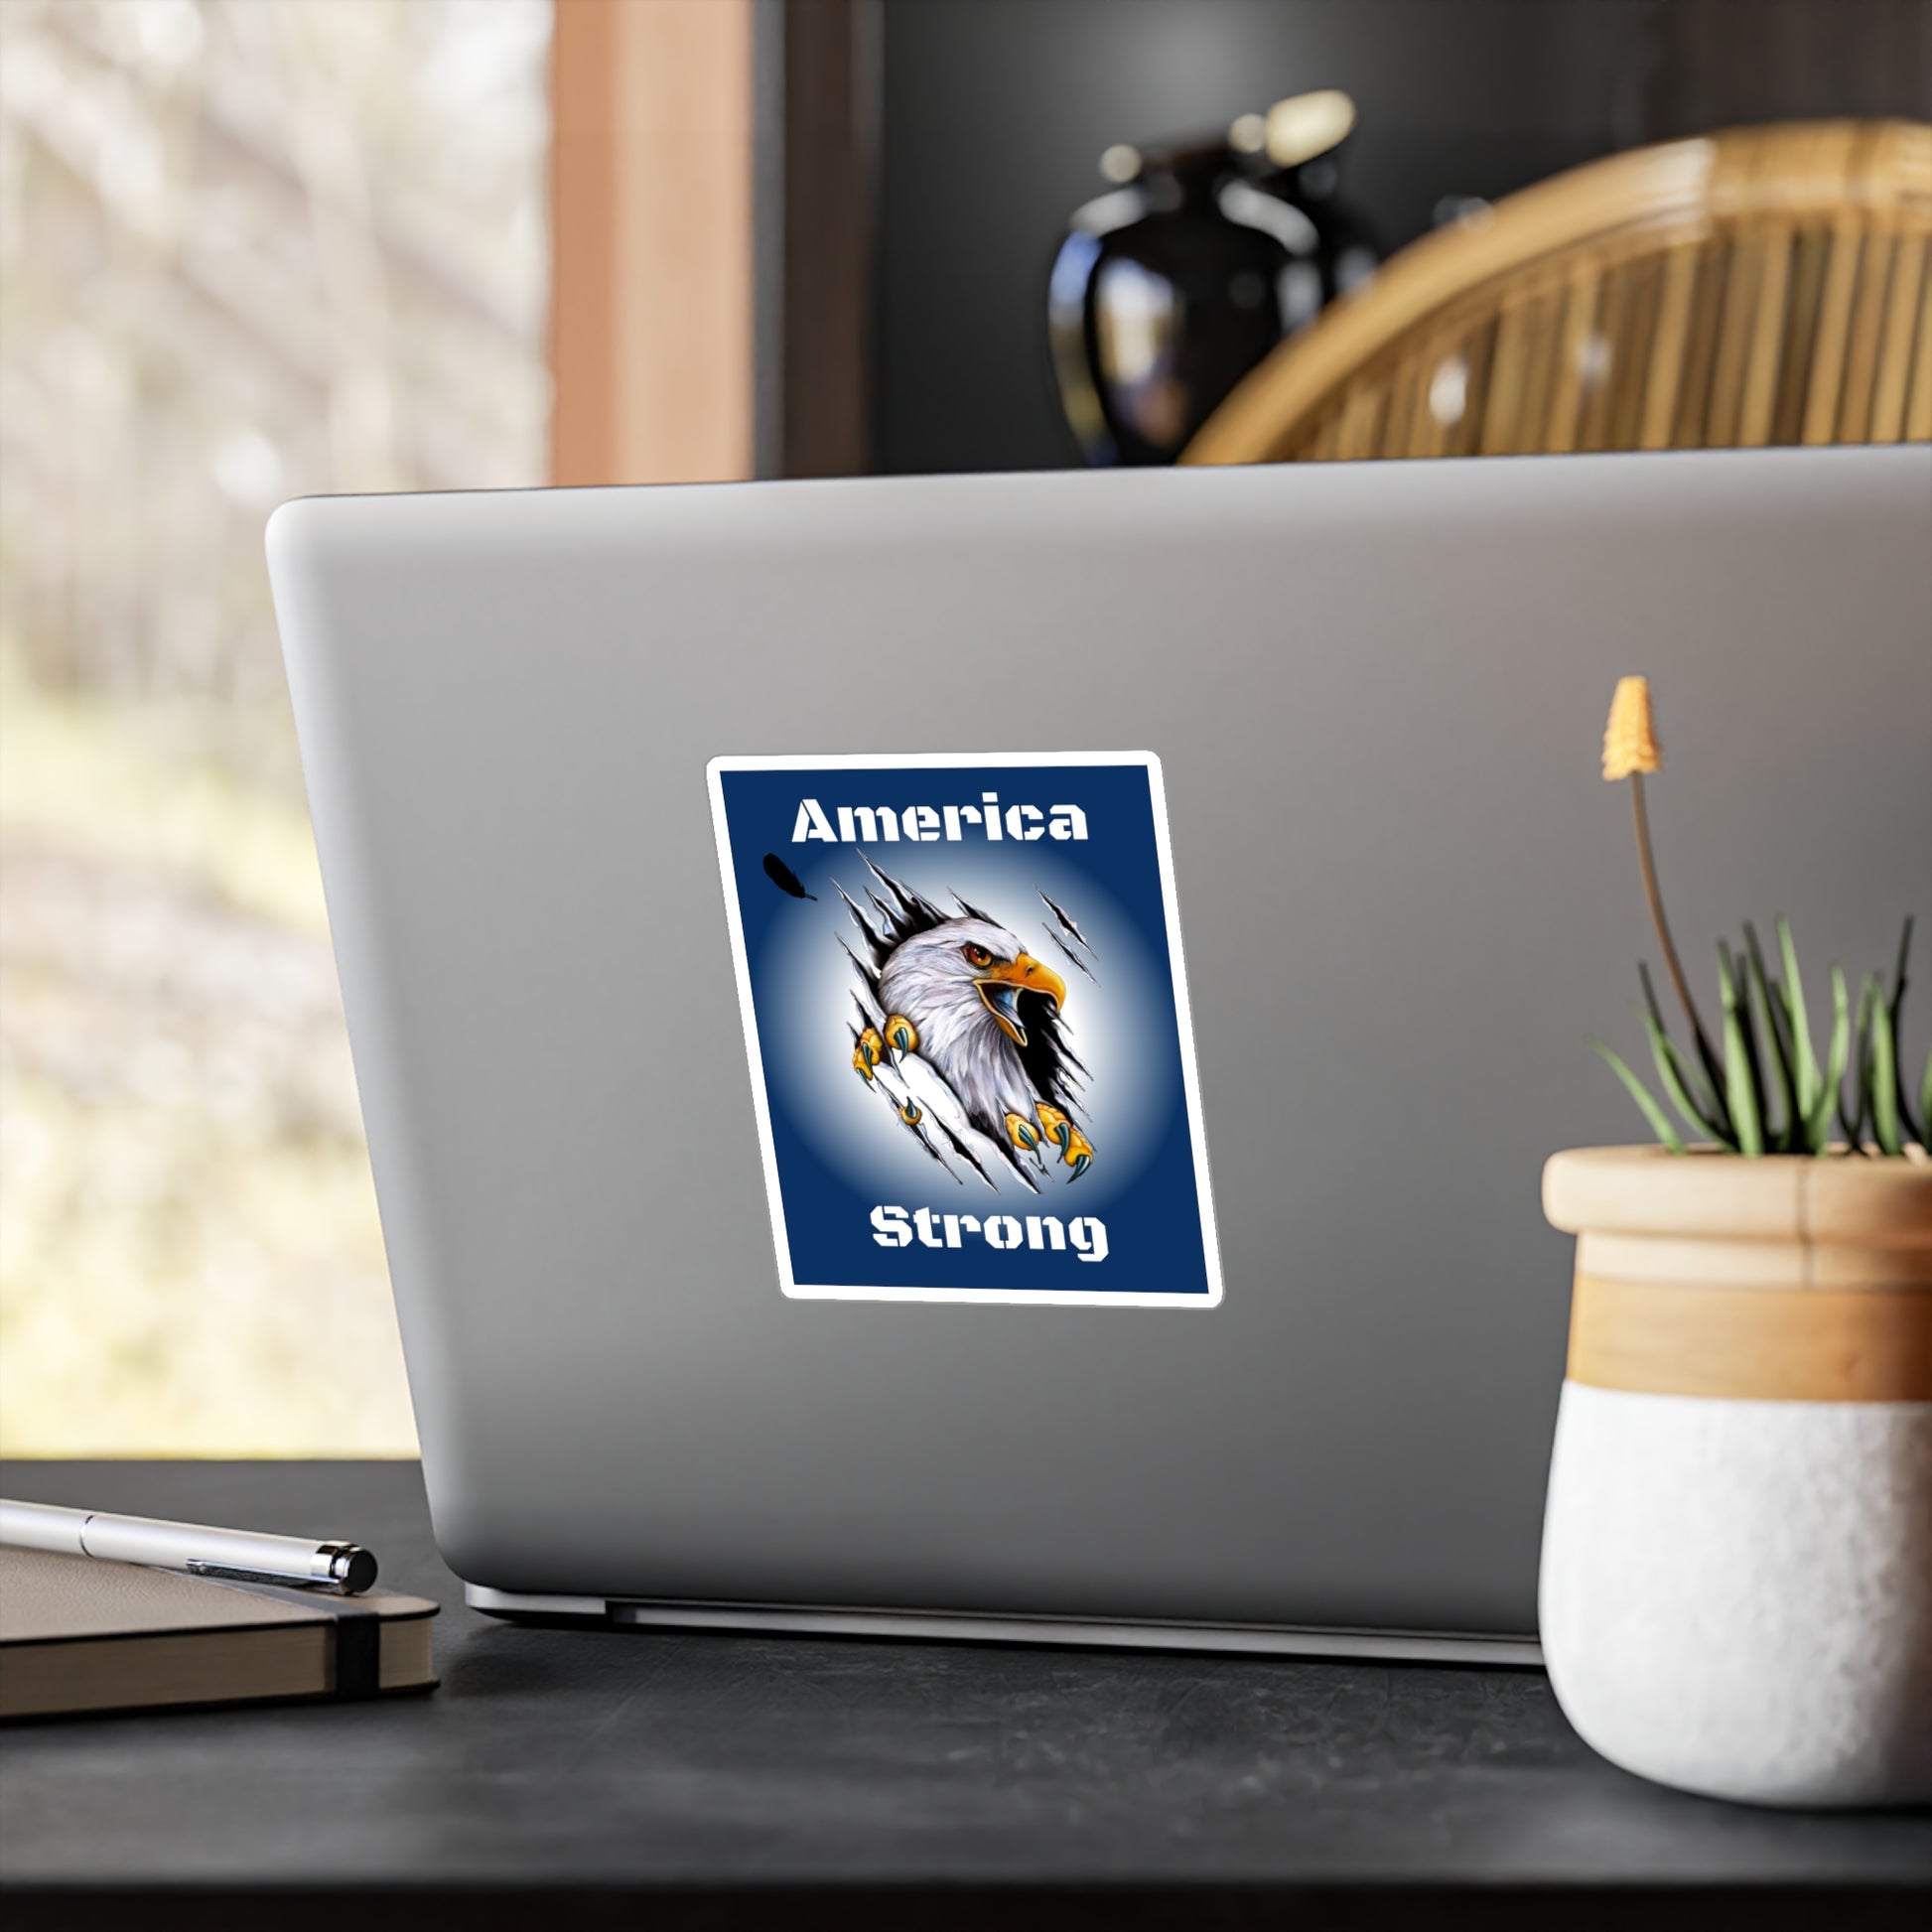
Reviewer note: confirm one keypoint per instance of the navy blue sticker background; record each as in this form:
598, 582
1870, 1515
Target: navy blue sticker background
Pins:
836, 1162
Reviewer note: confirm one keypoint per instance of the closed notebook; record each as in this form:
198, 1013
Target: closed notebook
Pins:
78, 1635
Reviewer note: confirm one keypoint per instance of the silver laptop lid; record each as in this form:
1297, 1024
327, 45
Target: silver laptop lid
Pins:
1372, 898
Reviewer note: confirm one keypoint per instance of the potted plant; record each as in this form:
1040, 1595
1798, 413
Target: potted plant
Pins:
1736, 1578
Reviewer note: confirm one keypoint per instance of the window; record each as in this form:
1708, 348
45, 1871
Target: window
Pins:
249, 250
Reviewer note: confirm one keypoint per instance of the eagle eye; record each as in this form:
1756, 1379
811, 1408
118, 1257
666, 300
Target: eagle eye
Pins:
977, 955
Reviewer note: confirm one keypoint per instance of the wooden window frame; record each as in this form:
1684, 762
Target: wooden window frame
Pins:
712, 216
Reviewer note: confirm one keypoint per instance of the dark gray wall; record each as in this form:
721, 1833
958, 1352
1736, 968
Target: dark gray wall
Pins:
994, 113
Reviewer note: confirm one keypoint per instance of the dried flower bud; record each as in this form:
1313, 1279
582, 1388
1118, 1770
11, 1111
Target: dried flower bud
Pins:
1630, 740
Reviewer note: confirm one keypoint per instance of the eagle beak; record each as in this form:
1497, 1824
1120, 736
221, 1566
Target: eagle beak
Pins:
1002, 984
1030, 975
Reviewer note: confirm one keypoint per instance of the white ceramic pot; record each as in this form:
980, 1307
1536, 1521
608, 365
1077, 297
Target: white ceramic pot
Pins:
1736, 1586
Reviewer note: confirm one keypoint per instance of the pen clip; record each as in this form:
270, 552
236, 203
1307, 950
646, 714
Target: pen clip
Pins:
232, 1574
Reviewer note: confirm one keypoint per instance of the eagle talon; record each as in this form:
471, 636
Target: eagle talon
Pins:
1023, 1133
910, 1112
1075, 1149
870, 1051
900, 1034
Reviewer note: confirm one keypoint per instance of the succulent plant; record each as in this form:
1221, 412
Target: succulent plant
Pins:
1767, 1091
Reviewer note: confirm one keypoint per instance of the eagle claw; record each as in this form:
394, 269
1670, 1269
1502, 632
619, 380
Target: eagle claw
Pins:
900, 1034
1075, 1149
866, 1054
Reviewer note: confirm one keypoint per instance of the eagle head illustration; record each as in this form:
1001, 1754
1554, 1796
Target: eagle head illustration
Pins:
965, 986
985, 1013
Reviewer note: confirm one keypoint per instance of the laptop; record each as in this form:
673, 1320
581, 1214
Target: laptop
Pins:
972, 1056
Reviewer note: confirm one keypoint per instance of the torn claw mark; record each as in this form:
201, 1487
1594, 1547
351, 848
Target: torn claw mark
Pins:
873, 937
1067, 924
1068, 952
967, 1155
867, 1056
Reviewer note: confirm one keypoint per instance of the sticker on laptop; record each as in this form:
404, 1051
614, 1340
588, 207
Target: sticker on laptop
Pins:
967, 1023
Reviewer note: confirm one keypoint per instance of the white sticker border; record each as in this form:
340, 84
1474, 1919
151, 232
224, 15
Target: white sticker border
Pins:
1184, 1015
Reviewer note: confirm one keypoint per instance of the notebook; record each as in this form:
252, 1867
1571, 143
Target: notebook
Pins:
78, 1635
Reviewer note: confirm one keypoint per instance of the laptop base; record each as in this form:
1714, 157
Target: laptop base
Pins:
1252, 1639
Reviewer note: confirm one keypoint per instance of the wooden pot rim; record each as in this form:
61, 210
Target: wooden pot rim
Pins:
1844, 1200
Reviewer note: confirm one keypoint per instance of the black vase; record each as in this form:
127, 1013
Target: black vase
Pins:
1167, 292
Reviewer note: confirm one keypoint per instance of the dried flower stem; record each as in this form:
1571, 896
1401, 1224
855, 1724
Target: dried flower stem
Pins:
1672, 964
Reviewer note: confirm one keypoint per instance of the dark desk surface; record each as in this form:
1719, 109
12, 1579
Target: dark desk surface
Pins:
598, 1778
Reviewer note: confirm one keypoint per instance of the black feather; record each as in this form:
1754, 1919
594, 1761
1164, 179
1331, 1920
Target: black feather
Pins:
782, 877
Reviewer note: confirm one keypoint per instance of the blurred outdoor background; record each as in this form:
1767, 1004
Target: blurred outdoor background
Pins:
247, 251
252, 250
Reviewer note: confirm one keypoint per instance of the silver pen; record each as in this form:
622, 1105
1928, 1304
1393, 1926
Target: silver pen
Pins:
244, 1556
